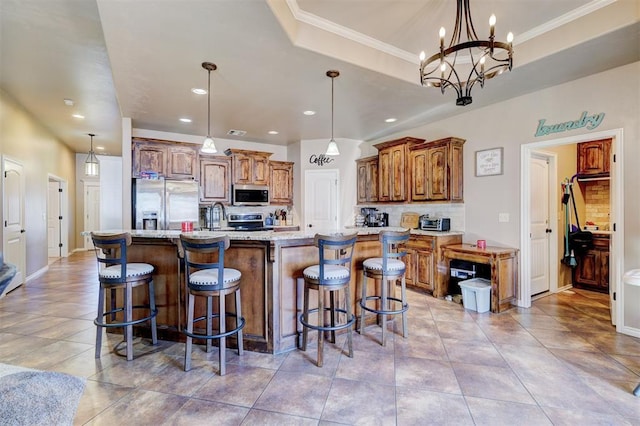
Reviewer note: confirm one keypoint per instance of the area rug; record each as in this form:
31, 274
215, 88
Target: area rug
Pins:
32, 397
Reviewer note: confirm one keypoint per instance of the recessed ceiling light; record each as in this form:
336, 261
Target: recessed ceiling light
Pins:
309, 113
68, 102
77, 116
273, 132
391, 120
199, 91
100, 148
185, 120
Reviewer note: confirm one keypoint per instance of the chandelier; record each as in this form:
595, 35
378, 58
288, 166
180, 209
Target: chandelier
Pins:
466, 62
208, 147
91, 164
332, 148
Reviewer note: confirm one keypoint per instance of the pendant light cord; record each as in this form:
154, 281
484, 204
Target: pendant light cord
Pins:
209, 105
332, 78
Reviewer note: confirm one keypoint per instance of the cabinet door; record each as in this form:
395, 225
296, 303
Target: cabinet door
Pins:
418, 165
372, 180
182, 162
398, 173
455, 171
149, 157
242, 169
425, 271
593, 158
215, 179
604, 270
362, 182
588, 270
437, 173
260, 170
281, 182
410, 266
384, 175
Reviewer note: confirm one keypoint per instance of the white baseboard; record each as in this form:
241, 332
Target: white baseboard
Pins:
36, 274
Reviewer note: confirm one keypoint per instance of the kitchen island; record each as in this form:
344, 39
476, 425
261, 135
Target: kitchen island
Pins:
271, 264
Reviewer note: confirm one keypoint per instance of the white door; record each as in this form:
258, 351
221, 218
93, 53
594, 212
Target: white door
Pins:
91, 211
54, 216
321, 200
14, 242
540, 229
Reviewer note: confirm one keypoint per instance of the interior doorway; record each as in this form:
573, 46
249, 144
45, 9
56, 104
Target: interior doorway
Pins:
91, 214
57, 218
321, 203
528, 151
14, 244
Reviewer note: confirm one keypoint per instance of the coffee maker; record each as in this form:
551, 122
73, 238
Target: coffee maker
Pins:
369, 214
382, 219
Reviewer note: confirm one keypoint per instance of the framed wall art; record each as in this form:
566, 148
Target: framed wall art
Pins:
489, 162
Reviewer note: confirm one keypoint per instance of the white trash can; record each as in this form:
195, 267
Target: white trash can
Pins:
476, 294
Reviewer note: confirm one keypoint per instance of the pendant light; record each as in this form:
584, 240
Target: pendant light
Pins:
91, 164
332, 148
208, 147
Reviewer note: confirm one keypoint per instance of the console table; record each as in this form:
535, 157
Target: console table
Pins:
504, 270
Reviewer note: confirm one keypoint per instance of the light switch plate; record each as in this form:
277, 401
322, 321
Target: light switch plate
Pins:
503, 217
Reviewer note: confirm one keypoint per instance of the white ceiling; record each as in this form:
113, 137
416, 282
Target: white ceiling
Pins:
140, 59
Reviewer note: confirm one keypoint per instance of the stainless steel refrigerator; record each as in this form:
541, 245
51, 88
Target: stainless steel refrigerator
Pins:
164, 204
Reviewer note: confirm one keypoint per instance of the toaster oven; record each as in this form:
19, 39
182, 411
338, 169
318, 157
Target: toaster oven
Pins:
435, 224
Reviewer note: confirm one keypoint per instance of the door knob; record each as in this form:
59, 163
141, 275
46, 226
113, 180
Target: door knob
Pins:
548, 231
22, 231
310, 226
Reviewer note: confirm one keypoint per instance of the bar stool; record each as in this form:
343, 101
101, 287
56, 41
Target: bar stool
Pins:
114, 273
388, 269
332, 274
209, 278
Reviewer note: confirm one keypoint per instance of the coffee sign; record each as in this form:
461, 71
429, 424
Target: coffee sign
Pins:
321, 159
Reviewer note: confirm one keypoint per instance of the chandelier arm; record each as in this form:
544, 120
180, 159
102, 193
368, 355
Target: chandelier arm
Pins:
471, 31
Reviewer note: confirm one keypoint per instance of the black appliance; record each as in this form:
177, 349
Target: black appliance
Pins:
461, 270
251, 195
369, 214
434, 223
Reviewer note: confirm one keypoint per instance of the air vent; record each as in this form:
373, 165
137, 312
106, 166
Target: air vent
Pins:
233, 132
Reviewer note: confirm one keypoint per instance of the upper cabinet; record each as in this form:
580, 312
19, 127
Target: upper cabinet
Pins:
594, 158
436, 170
215, 178
367, 179
182, 162
392, 168
249, 167
148, 157
281, 182
171, 160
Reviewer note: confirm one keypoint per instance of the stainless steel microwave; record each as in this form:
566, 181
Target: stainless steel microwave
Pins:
250, 195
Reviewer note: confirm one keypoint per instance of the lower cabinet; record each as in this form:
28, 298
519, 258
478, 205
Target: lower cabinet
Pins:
592, 271
424, 262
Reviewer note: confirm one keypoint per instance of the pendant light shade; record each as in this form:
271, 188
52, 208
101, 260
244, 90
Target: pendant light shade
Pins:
332, 148
208, 146
91, 164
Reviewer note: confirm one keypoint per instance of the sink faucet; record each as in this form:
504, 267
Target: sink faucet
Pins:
220, 216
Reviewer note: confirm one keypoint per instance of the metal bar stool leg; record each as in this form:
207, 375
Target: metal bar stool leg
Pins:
189, 343
332, 316
238, 321
305, 314
321, 321
223, 340
347, 302
128, 317
99, 318
209, 322
152, 308
403, 296
363, 300
383, 306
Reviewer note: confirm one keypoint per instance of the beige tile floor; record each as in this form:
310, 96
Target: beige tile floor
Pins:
560, 362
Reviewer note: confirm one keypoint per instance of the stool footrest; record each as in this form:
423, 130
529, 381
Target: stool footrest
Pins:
124, 324
215, 336
349, 322
363, 305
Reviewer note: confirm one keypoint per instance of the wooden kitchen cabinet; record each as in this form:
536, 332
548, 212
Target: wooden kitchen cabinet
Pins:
172, 160
393, 173
249, 167
592, 271
594, 158
367, 179
281, 182
504, 270
215, 178
182, 162
148, 157
424, 262
436, 170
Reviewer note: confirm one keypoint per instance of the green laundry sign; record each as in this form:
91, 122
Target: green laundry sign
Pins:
588, 121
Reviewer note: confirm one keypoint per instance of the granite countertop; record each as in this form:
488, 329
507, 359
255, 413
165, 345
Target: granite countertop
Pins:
274, 235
